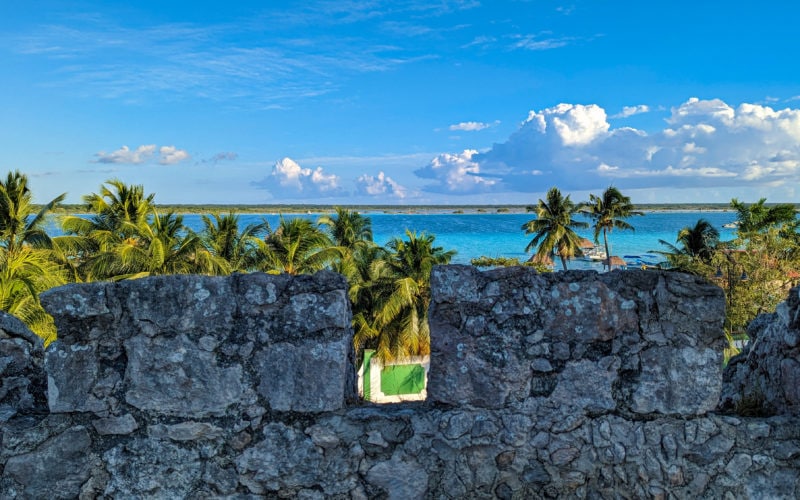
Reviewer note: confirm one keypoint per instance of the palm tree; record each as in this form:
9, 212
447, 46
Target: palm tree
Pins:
554, 229
221, 236
119, 213
19, 223
351, 232
401, 294
608, 212
757, 217
118, 208
347, 228
24, 273
297, 246
696, 243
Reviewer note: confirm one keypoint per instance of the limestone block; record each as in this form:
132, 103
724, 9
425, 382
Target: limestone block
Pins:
304, 376
22, 376
175, 376
55, 469
642, 341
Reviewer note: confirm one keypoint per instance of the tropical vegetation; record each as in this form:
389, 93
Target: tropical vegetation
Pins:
755, 269
120, 233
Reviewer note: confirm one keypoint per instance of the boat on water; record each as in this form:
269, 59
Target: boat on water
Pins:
731, 225
595, 254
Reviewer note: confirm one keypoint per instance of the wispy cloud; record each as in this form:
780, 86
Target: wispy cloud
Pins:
127, 155
471, 126
542, 41
168, 155
246, 61
219, 157
632, 110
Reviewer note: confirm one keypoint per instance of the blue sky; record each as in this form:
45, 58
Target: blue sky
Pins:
403, 101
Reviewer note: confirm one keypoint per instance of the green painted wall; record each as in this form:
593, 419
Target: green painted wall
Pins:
402, 379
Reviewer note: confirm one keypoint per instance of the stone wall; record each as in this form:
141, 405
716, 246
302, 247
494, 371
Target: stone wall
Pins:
555, 385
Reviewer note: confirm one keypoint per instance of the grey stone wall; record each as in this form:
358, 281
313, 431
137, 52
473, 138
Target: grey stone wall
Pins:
573, 385
765, 377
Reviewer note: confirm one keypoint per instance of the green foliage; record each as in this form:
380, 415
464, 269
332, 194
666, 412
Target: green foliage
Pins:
296, 246
484, 261
391, 307
758, 217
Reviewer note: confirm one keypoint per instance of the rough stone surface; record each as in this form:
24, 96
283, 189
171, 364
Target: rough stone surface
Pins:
189, 346
638, 341
23, 385
765, 377
587, 419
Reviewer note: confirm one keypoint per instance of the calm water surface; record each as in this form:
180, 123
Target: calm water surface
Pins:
500, 235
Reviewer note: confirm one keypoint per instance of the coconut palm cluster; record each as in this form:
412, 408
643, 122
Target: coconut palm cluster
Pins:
121, 234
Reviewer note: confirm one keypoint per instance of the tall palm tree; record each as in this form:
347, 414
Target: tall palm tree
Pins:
20, 224
698, 241
118, 208
296, 246
757, 217
554, 228
222, 237
608, 212
163, 246
402, 295
119, 213
693, 244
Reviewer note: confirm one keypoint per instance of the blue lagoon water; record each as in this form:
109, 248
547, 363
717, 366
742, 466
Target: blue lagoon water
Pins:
500, 234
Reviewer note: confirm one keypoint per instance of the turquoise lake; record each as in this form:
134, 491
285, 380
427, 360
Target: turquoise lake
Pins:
500, 235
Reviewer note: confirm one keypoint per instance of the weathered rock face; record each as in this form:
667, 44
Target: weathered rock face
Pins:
22, 382
193, 346
192, 387
635, 342
765, 377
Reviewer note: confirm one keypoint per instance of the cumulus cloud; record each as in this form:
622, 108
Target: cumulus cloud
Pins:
380, 185
293, 178
632, 110
470, 126
705, 143
126, 155
456, 173
170, 155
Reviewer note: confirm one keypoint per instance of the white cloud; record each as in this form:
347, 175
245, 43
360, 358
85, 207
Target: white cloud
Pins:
574, 124
706, 143
632, 110
170, 155
291, 176
456, 173
219, 157
126, 155
380, 185
470, 126
540, 42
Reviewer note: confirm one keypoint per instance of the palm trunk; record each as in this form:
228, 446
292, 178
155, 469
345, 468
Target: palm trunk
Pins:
608, 252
